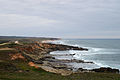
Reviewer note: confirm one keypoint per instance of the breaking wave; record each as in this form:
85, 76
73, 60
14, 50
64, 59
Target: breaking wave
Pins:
91, 55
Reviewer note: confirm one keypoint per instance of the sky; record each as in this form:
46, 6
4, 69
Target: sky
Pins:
60, 18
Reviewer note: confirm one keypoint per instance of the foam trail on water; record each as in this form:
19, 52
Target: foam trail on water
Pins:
100, 64
91, 55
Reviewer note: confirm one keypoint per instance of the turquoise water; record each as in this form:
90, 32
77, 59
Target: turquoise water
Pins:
103, 52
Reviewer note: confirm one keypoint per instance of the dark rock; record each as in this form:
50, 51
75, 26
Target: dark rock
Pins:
72, 54
38, 62
47, 58
108, 70
58, 65
89, 62
81, 69
27, 70
74, 60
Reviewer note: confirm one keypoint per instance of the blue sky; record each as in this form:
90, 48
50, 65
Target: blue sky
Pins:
60, 18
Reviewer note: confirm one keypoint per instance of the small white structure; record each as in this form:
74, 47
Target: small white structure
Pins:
16, 42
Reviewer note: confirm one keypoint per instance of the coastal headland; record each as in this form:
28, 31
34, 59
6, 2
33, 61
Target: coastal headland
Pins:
28, 56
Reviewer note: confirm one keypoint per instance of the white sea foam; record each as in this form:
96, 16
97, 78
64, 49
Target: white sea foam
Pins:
84, 55
96, 49
100, 64
83, 65
58, 42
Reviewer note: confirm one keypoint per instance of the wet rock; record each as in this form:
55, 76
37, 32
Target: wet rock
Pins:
81, 70
58, 65
47, 58
108, 70
74, 60
38, 62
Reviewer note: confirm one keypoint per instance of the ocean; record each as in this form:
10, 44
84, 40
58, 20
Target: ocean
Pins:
103, 52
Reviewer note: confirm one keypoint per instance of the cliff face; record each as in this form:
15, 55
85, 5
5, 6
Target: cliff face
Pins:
38, 56
39, 50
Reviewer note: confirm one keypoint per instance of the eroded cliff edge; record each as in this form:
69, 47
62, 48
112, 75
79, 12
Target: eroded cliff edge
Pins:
37, 55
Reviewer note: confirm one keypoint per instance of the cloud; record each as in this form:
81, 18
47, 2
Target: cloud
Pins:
15, 20
60, 17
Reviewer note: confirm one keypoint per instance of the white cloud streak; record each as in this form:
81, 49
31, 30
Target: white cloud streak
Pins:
15, 20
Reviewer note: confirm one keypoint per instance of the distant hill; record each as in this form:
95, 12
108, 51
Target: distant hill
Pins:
25, 39
19, 37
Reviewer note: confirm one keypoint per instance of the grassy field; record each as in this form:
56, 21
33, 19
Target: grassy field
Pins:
38, 74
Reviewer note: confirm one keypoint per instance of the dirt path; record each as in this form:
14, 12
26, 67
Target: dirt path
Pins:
6, 49
3, 44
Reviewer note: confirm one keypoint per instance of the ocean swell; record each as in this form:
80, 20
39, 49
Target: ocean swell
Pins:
91, 55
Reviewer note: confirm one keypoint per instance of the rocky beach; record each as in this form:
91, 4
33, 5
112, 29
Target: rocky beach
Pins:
39, 55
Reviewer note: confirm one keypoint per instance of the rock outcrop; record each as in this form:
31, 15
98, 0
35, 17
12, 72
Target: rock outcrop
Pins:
107, 70
37, 54
38, 50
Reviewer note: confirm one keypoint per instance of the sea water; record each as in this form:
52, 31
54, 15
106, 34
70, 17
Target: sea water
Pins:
103, 52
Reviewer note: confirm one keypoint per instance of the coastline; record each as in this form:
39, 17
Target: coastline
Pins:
33, 61
103, 53
39, 54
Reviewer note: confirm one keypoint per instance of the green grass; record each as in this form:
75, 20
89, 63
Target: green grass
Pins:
30, 73
9, 45
43, 75
3, 41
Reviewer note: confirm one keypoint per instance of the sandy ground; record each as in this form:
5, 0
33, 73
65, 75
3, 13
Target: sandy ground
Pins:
6, 49
3, 44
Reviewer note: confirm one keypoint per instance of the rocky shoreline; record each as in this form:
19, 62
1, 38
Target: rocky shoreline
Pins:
38, 54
